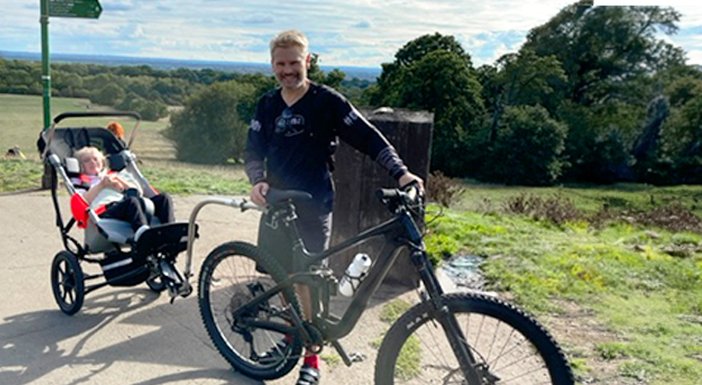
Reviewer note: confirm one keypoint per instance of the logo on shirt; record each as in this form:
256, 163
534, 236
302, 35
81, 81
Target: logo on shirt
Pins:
289, 124
255, 125
350, 118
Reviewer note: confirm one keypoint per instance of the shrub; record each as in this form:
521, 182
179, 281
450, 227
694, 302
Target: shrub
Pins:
527, 148
442, 189
212, 126
555, 209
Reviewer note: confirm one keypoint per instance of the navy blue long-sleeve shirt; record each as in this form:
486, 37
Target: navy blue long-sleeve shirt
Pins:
290, 146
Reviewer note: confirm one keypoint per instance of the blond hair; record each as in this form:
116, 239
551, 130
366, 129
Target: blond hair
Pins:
290, 38
88, 151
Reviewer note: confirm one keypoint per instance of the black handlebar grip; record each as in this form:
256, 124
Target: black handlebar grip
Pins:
387, 193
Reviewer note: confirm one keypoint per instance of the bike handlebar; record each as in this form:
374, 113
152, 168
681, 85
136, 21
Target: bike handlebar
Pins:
407, 196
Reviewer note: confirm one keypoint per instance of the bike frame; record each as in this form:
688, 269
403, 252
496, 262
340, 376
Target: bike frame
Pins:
399, 232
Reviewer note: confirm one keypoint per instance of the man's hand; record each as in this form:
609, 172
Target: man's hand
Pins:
408, 178
258, 193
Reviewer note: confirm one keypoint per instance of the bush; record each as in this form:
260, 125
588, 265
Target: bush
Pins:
527, 148
213, 124
109, 95
555, 209
442, 189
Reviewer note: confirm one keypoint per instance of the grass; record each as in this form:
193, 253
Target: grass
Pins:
642, 283
21, 122
587, 198
18, 175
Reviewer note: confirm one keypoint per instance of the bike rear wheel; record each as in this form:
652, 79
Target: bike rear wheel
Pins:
231, 276
509, 346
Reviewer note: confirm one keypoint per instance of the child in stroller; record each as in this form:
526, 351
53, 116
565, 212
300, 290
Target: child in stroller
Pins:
129, 229
118, 192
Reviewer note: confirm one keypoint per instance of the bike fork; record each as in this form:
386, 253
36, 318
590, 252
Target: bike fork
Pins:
459, 344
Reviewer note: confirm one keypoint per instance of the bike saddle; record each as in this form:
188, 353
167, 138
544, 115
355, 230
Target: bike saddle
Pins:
275, 196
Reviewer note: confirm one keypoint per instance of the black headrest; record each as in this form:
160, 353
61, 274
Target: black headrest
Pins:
66, 141
117, 162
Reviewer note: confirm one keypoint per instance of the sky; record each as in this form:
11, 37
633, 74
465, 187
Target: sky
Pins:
361, 33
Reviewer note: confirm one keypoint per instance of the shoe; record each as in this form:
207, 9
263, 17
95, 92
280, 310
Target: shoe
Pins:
275, 354
308, 376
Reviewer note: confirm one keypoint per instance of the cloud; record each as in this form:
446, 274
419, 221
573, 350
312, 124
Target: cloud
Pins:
361, 32
362, 25
258, 19
118, 6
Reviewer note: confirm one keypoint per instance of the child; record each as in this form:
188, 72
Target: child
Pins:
119, 193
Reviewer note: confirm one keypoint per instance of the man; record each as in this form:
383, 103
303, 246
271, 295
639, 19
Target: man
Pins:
290, 144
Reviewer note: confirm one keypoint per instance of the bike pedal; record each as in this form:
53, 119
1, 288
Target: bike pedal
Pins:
357, 357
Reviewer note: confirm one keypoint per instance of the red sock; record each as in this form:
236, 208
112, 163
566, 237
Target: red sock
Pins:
311, 361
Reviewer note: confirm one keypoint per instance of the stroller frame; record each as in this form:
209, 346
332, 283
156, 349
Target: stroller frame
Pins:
124, 262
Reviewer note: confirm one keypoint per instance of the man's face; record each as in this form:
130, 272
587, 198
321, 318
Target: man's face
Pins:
290, 66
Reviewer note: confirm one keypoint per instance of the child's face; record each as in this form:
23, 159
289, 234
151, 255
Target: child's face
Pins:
92, 163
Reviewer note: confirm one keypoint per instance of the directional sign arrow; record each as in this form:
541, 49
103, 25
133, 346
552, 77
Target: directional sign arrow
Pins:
90, 9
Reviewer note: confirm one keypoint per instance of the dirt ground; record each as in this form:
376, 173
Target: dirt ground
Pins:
133, 336
129, 335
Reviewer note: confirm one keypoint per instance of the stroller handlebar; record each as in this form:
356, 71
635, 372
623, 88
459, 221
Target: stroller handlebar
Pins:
240, 203
82, 114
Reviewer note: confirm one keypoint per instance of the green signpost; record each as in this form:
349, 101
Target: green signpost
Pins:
90, 9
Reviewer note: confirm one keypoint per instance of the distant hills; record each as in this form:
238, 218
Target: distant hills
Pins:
363, 73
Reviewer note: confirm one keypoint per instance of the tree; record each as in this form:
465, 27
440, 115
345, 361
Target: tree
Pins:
610, 56
332, 79
603, 47
521, 79
212, 126
433, 73
527, 148
109, 95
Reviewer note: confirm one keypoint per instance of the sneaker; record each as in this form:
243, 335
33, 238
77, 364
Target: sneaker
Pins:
275, 354
308, 376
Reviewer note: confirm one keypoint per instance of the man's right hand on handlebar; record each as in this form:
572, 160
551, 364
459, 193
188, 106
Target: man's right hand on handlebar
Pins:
258, 193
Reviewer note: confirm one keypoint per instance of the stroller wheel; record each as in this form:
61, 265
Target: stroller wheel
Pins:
156, 284
67, 282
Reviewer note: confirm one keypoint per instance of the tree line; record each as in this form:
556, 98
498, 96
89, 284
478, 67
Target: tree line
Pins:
593, 95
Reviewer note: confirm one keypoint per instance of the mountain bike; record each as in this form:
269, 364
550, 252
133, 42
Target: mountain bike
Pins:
251, 311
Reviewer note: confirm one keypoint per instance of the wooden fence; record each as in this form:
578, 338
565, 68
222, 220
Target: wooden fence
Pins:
357, 177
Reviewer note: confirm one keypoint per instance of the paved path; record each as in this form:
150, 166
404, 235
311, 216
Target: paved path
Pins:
125, 335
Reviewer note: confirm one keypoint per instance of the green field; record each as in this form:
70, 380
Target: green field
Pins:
21, 121
615, 272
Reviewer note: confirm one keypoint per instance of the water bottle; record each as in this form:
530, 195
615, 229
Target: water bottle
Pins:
354, 274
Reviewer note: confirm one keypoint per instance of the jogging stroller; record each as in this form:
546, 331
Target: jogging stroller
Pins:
107, 242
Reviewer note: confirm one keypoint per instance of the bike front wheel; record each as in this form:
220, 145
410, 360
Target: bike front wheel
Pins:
232, 275
508, 346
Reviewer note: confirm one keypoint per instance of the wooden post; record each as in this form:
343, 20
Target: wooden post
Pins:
357, 177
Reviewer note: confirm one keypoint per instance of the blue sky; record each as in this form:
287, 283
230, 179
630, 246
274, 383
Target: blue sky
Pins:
343, 32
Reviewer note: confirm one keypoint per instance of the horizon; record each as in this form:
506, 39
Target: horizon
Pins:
362, 73
9, 53
364, 34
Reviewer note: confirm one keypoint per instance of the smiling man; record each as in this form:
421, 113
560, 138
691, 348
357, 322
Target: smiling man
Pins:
290, 145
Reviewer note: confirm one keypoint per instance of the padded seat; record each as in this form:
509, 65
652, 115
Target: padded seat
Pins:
113, 231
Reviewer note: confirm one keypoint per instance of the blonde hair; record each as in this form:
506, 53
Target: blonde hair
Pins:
290, 38
89, 151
